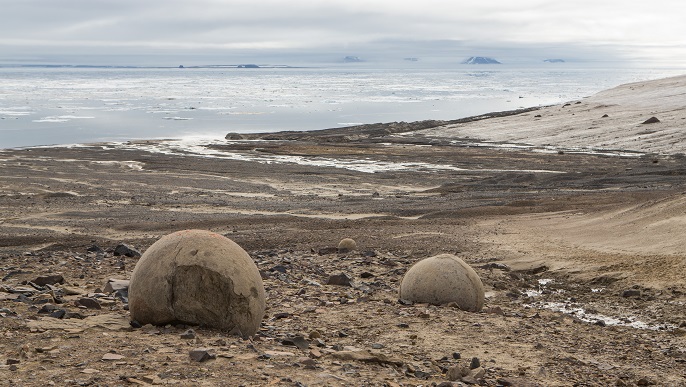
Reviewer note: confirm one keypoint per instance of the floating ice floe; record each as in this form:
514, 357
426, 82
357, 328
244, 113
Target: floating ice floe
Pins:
66, 118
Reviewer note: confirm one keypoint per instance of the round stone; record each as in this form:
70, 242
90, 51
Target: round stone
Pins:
443, 279
346, 245
197, 277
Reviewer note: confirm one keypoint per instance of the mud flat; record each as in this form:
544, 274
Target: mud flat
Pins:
579, 246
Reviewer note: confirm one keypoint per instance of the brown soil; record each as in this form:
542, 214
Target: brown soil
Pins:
605, 227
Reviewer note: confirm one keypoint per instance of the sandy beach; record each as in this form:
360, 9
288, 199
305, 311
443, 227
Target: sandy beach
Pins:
572, 215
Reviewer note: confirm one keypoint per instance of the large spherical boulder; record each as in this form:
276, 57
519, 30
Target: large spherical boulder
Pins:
197, 277
346, 245
441, 280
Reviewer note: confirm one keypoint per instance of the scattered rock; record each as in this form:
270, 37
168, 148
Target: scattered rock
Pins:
114, 285
95, 249
49, 280
475, 363
605, 116
346, 245
152, 379
112, 356
127, 251
296, 341
339, 279
214, 283
188, 334
443, 279
11, 361
631, 293
327, 250
456, 372
90, 303
201, 354
367, 274
366, 357
651, 120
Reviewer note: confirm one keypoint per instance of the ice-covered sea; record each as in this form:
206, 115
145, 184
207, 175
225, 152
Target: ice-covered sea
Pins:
44, 106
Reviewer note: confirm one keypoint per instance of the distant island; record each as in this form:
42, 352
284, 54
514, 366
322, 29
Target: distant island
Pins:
352, 59
411, 59
554, 60
480, 60
248, 66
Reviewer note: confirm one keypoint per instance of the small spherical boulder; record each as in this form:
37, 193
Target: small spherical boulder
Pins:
197, 277
443, 279
346, 245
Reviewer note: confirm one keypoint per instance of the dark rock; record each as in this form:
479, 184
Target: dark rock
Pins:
127, 251
403, 325
600, 323
296, 341
631, 293
135, 324
201, 355
11, 361
95, 249
504, 382
279, 268
89, 303
377, 346
538, 116
651, 120
605, 116
281, 315
75, 315
376, 194
456, 355
369, 253
339, 279
328, 250
495, 265
404, 302
47, 309
366, 274
49, 280
234, 136
475, 363
122, 295
188, 334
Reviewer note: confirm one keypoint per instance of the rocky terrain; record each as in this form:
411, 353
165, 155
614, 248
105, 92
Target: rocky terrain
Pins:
580, 252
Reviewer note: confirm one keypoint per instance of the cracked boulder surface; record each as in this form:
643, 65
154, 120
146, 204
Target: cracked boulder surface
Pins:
197, 277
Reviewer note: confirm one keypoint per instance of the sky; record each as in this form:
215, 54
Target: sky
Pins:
139, 32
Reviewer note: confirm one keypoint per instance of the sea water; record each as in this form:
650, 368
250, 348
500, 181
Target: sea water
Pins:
65, 105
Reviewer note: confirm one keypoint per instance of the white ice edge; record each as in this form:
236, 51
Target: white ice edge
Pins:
197, 146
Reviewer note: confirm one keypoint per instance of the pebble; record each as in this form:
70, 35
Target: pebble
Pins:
112, 356
475, 363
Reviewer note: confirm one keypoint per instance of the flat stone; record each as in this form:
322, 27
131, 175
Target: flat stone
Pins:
339, 279
112, 356
631, 293
126, 250
114, 285
49, 280
296, 341
90, 303
201, 354
188, 334
367, 357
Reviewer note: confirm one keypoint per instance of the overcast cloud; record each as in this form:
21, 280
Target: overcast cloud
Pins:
42, 29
